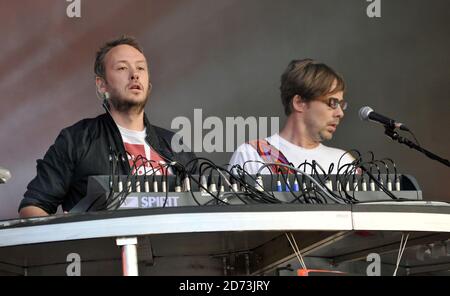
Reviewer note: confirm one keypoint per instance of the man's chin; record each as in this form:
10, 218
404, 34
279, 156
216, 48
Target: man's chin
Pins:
134, 98
129, 104
326, 136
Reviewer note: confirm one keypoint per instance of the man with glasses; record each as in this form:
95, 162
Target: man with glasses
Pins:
313, 97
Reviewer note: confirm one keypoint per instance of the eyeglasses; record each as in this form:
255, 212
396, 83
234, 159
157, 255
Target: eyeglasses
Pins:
334, 103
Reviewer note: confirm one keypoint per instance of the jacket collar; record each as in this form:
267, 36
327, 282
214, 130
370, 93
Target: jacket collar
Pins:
155, 141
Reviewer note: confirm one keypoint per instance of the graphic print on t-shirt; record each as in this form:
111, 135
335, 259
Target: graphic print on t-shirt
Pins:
137, 152
144, 161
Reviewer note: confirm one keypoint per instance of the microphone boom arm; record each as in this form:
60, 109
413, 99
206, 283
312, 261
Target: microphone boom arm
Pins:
391, 133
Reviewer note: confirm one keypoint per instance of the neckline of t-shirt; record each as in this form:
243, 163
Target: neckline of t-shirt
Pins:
132, 133
293, 146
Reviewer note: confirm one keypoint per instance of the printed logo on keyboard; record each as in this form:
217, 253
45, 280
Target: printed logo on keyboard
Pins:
147, 202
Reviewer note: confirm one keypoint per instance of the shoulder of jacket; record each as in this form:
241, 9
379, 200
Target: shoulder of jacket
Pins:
163, 133
84, 127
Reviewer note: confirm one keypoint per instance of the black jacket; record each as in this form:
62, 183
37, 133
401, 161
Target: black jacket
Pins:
83, 150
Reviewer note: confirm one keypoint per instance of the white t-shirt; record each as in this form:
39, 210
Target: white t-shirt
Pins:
135, 144
297, 155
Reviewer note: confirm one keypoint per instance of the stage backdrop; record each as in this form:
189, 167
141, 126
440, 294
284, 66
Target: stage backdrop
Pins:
226, 58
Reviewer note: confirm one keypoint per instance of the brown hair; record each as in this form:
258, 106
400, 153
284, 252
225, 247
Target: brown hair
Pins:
310, 80
99, 67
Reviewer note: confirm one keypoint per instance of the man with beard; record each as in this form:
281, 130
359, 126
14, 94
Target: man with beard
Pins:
86, 148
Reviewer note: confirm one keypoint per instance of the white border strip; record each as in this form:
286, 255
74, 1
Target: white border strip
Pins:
179, 223
390, 221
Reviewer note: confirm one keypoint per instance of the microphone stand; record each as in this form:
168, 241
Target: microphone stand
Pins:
391, 133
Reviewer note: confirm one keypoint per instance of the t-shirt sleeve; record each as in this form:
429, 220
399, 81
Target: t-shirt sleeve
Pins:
54, 173
248, 158
345, 159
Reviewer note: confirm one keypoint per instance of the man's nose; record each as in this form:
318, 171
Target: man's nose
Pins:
339, 112
135, 75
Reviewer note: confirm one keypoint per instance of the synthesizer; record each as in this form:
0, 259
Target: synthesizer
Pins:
141, 192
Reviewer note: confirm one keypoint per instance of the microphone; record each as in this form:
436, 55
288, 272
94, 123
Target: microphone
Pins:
105, 103
5, 175
367, 113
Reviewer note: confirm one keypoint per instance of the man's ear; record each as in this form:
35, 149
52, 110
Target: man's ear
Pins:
298, 104
101, 84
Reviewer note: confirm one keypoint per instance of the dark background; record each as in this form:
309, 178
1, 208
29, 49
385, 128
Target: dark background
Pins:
226, 57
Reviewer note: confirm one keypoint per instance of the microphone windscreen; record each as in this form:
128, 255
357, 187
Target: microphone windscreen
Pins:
5, 175
364, 113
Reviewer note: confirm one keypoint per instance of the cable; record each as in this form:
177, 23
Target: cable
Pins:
306, 175
400, 253
296, 249
415, 139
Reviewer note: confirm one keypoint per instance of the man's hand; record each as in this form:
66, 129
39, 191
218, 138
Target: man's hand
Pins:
32, 212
